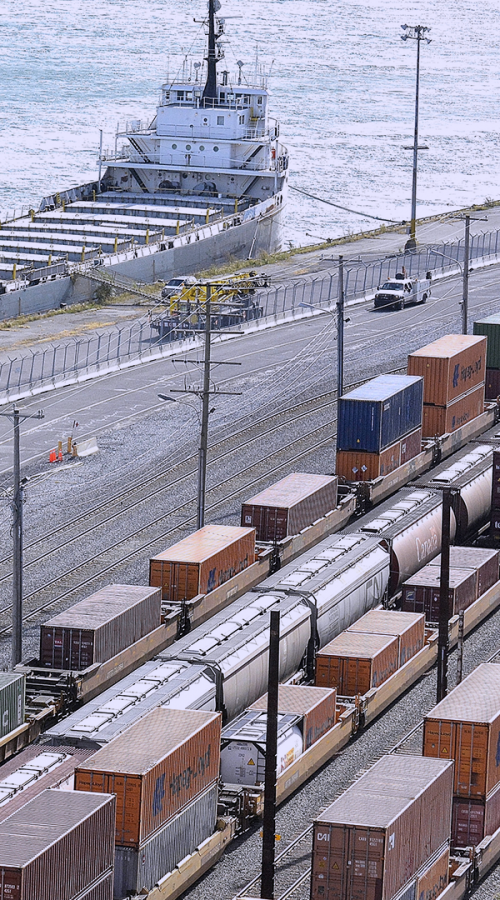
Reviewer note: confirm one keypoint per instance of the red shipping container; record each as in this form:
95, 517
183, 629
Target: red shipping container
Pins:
473, 820
290, 505
450, 367
353, 663
465, 727
482, 561
408, 627
202, 561
155, 768
439, 420
380, 833
492, 384
411, 445
316, 705
421, 593
356, 465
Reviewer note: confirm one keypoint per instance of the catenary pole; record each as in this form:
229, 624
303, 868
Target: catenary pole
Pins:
205, 400
269, 821
340, 330
444, 598
465, 292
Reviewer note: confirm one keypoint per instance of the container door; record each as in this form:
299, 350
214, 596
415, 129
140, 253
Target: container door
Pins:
471, 757
366, 864
330, 863
467, 828
438, 739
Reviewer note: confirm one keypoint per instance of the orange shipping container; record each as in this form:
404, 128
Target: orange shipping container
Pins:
354, 663
438, 420
435, 876
465, 727
316, 705
155, 768
202, 561
408, 627
354, 465
450, 367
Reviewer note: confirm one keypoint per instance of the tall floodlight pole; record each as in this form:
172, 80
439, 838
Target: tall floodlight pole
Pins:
340, 330
417, 33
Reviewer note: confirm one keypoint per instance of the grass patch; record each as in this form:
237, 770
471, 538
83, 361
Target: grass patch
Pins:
5, 324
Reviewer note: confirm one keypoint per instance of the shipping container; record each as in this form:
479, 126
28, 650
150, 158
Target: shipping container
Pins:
439, 420
317, 706
465, 727
155, 768
450, 367
375, 839
37, 768
411, 445
356, 465
180, 836
243, 747
103, 890
435, 876
99, 627
489, 327
202, 561
473, 820
492, 384
484, 562
380, 412
421, 593
495, 488
353, 663
408, 627
290, 505
12, 693
40, 843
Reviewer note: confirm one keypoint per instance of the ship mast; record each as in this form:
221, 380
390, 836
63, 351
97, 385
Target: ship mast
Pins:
210, 91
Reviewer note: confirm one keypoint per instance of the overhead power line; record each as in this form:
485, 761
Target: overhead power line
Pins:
345, 208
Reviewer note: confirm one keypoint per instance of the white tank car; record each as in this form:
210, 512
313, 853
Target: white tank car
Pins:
471, 475
243, 747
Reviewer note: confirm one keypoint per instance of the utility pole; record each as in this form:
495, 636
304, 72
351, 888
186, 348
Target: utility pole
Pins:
415, 32
444, 597
340, 330
269, 823
17, 536
465, 290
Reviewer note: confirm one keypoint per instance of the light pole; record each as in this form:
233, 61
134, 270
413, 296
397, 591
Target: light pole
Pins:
464, 271
417, 33
339, 312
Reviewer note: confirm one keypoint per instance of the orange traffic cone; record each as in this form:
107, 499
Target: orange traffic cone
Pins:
60, 456
52, 456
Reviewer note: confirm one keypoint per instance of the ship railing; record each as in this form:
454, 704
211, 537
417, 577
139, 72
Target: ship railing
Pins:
191, 160
215, 133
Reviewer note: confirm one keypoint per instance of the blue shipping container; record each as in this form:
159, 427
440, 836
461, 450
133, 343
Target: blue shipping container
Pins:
380, 412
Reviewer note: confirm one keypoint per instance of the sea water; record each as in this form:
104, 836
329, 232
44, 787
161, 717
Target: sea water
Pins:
342, 83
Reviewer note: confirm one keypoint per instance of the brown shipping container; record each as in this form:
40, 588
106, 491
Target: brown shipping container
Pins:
290, 505
41, 841
421, 593
316, 705
439, 420
155, 768
354, 465
484, 562
465, 727
450, 367
99, 627
103, 890
379, 834
492, 384
408, 627
202, 561
411, 445
495, 487
435, 876
473, 820
354, 663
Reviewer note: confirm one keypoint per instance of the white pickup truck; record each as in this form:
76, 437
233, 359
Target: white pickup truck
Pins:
399, 291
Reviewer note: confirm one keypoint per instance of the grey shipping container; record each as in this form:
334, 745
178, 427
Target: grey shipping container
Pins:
290, 505
12, 694
136, 869
373, 840
40, 843
380, 412
482, 561
422, 592
100, 626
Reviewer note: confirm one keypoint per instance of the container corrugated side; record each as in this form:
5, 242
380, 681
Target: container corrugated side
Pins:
379, 413
411, 445
316, 705
155, 768
435, 876
142, 868
289, 506
450, 367
41, 841
489, 327
481, 560
12, 695
354, 663
439, 420
99, 627
408, 627
421, 593
492, 384
354, 465
103, 890
465, 727
472, 820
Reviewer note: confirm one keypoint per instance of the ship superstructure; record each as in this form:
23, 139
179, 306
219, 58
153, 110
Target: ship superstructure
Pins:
203, 181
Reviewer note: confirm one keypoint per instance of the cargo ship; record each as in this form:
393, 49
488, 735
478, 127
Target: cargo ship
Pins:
203, 182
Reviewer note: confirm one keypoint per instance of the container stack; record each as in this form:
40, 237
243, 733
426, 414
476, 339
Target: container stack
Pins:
12, 698
202, 561
495, 498
60, 844
379, 427
388, 834
290, 505
164, 771
98, 628
465, 727
490, 329
473, 571
453, 369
